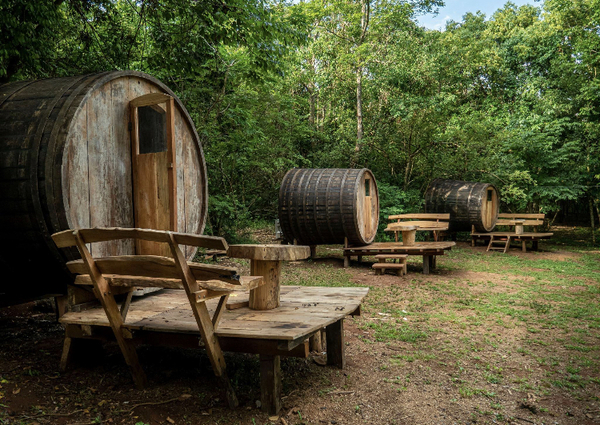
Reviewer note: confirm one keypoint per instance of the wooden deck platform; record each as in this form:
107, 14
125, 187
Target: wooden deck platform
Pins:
524, 237
427, 249
303, 311
166, 318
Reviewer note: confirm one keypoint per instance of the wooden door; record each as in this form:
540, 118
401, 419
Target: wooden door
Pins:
154, 168
368, 207
490, 206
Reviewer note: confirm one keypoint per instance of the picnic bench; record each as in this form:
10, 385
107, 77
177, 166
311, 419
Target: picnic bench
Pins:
435, 223
217, 309
501, 240
408, 225
426, 249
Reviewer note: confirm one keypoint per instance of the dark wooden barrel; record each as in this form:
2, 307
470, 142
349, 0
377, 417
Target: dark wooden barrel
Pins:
326, 205
66, 162
468, 203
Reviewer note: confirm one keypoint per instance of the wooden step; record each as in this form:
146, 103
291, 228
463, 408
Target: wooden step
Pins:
381, 267
391, 256
388, 265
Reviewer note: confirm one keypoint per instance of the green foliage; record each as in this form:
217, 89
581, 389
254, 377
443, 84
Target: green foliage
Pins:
511, 99
394, 200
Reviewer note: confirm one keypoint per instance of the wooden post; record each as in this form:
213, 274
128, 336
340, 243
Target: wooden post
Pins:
336, 345
313, 251
265, 297
315, 342
426, 264
524, 244
346, 257
61, 303
66, 353
270, 383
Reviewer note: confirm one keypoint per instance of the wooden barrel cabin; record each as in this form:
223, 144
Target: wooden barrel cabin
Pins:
468, 203
103, 150
325, 205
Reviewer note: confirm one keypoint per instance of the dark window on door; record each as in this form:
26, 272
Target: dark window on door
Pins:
152, 125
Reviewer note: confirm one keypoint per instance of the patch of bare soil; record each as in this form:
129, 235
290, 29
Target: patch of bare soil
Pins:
456, 375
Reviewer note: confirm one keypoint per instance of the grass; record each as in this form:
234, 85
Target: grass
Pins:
530, 323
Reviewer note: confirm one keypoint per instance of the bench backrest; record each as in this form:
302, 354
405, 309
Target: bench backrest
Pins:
530, 219
146, 270
420, 216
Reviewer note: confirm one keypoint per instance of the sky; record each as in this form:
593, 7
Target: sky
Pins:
455, 9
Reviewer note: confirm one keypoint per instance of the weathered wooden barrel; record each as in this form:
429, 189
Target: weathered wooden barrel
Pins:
468, 203
325, 205
77, 152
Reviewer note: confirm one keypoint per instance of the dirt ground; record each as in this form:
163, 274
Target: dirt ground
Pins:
419, 354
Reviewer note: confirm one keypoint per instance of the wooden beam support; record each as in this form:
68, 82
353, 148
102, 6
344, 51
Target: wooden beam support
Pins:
104, 294
336, 355
204, 321
270, 384
426, 264
315, 342
126, 304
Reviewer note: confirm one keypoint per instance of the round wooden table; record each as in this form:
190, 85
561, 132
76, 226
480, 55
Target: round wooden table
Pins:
518, 223
433, 226
265, 261
409, 232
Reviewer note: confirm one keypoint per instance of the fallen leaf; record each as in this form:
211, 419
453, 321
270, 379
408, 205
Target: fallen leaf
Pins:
184, 396
169, 420
16, 391
102, 403
283, 421
274, 418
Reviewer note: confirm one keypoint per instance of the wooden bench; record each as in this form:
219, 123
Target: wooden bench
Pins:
500, 240
383, 264
122, 274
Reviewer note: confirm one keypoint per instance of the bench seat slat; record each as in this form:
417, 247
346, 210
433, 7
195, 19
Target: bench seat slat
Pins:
245, 282
154, 266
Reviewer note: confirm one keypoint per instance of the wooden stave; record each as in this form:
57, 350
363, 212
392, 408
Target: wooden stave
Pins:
31, 157
25, 227
465, 208
327, 192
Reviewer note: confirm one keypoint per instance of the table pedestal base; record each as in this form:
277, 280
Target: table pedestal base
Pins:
266, 296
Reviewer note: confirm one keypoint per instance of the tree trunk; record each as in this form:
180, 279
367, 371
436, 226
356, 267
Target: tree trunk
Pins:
359, 117
364, 24
592, 220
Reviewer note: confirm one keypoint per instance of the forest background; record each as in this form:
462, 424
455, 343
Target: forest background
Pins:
512, 99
